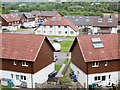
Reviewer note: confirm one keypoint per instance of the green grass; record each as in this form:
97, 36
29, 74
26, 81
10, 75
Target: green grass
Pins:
65, 79
106, 14
33, 33
18, 30
54, 36
57, 67
65, 45
70, 36
65, 62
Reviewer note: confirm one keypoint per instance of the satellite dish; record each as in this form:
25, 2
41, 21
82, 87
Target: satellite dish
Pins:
56, 46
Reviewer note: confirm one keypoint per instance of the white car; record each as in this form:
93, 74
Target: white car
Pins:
57, 40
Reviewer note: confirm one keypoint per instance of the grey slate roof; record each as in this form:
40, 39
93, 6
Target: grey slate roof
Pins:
48, 13
34, 12
81, 20
29, 15
19, 15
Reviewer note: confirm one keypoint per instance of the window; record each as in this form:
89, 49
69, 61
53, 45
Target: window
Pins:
87, 20
105, 63
98, 77
109, 77
24, 63
21, 77
71, 32
65, 26
95, 78
50, 32
17, 77
17, 21
44, 26
103, 78
50, 26
11, 75
9, 23
65, 32
14, 62
58, 26
44, 31
24, 77
59, 32
95, 64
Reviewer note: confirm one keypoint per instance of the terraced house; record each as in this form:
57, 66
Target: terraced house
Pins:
105, 25
84, 23
26, 59
10, 22
96, 59
58, 26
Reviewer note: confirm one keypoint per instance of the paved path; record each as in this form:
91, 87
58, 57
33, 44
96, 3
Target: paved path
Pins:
62, 38
61, 57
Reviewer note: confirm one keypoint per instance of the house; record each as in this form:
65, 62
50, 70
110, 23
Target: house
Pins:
10, 22
22, 17
105, 25
26, 58
35, 13
58, 26
30, 20
95, 59
45, 15
84, 23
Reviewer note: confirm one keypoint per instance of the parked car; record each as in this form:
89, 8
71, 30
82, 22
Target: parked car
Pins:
23, 27
5, 30
55, 58
57, 40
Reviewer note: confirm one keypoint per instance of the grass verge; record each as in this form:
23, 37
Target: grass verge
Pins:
57, 67
65, 45
65, 62
18, 30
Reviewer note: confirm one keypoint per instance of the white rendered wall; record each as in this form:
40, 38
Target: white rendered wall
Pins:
95, 30
55, 31
114, 77
39, 77
42, 75
114, 30
80, 75
11, 27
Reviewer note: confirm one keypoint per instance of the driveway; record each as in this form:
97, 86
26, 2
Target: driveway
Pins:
29, 31
61, 57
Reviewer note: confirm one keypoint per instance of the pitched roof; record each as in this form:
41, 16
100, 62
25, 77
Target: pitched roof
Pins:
10, 17
114, 16
34, 12
48, 13
81, 20
21, 46
19, 15
28, 14
62, 22
109, 52
104, 22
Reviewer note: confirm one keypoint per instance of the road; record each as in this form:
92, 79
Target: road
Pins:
29, 31
61, 57
62, 38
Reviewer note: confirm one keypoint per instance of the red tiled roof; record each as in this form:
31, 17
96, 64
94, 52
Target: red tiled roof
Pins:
63, 22
20, 46
109, 52
113, 15
10, 17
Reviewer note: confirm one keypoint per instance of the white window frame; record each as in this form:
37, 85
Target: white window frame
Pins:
14, 62
106, 63
59, 32
72, 32
18, 77
95, 64
24, 63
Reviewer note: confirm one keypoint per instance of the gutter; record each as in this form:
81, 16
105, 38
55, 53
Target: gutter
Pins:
32, 75
87, 75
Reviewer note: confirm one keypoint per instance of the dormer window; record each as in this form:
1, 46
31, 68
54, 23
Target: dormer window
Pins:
95, 64
24, 63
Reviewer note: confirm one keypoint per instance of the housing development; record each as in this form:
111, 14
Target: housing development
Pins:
54, 49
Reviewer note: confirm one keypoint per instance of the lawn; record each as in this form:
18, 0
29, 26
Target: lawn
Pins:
33, 33
54, 36
18, 30
65, 45
57, 67
65, 62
